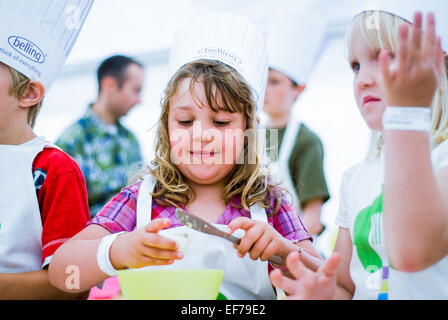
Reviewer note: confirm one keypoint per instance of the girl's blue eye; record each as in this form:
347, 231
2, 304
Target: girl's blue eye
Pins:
356, 66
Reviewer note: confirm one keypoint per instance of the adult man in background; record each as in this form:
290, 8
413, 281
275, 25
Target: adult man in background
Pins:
295, 40
103, 148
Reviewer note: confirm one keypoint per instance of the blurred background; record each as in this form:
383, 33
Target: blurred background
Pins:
144, 29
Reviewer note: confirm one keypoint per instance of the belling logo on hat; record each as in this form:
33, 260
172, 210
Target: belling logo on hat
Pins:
221, 52
26, 48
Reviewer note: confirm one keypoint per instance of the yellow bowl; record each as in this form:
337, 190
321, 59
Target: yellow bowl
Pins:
191, 284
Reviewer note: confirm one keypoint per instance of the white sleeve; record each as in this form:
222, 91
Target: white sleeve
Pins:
342, 218
440, 157
46, 261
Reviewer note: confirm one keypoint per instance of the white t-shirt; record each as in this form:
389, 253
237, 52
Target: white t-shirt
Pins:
360, 211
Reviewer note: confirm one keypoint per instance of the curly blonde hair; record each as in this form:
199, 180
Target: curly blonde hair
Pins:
380, 30
222, 84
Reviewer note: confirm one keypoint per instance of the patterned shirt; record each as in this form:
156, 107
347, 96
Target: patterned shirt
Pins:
105, 153
120, 215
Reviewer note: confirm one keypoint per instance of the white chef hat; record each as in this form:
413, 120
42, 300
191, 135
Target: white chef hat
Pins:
407, 10
295, 39
36, 36
228, 38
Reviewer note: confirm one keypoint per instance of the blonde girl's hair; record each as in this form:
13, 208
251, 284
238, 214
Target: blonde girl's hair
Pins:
225, 90
17, 89
380, 30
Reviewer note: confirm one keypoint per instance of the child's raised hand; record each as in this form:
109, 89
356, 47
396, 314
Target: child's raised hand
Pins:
411, 78
260, 239
307, 284
144, 247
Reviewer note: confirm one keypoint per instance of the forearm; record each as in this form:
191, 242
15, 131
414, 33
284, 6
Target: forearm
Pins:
311, 261
342, 294
313, 206
74, 266
311, 215
33, 285
415, 218
308, 256
314, 211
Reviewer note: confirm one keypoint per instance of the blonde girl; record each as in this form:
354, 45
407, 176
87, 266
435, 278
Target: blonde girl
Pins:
206, 164
393, 219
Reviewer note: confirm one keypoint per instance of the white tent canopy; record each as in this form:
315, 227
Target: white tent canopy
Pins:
145, 28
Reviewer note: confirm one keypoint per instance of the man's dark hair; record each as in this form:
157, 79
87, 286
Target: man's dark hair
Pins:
115, 67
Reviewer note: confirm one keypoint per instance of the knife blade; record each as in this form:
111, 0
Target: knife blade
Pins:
201, 225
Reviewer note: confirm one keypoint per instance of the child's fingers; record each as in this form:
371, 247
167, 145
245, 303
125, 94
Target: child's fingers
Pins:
402, 49
160, 254
269, 251
295, 267
155, 240
384, 62
239, 223
330, 266
278, 280
149, 261
250, 238
157, 224
416, 34
430, 39
258, 250
439, 57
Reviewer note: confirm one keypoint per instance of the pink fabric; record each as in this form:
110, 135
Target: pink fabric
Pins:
119, 214
111, 289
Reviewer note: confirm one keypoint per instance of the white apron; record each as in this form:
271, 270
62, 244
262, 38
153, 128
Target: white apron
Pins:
20, 219
244, 278
280, 173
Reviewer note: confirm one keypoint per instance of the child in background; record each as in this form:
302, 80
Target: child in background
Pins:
43, 195
205, 163
300, 160
401, 90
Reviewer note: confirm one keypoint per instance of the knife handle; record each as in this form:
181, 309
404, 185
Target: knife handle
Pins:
277, 260
233, 239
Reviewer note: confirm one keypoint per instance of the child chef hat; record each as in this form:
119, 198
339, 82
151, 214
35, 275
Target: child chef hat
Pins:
37, 36
407, 11
295, 41
228, 38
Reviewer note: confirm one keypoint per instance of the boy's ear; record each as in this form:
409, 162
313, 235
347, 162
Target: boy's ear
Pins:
298, 90
33, 94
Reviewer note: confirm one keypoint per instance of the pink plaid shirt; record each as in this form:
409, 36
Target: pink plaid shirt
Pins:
120, 213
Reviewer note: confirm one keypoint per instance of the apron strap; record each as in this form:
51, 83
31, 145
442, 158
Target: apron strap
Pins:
292, 130
51, 145
258, 213
144, 201
144, 204
289, 139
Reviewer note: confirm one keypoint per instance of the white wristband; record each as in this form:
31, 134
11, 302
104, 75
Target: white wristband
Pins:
103, 257
407, 118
